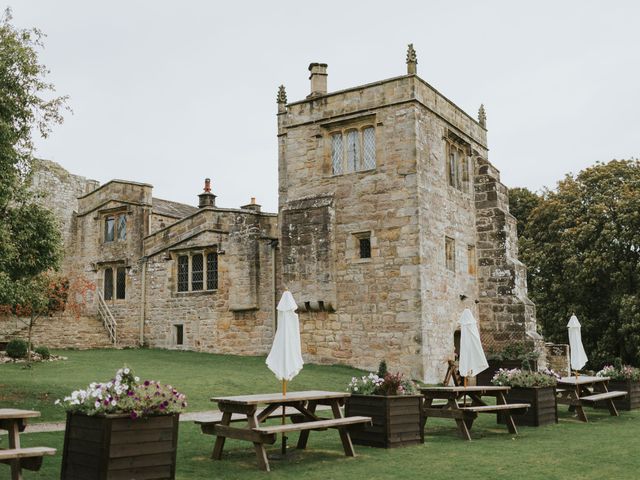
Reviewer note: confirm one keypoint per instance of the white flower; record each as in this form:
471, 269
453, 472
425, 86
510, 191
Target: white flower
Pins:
57, 402
97, 404
137, 379
118, 378
126, 371
113, 403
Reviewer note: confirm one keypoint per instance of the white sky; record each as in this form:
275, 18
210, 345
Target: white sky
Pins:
171, 92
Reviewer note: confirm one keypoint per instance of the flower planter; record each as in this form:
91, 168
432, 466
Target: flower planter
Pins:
116, 446
397, 420
484, 377
543, 409
631, 401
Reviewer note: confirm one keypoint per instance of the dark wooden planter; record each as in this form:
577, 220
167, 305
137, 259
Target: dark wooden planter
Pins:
117, 447
631, 401
397, 420
543, 409
484, 377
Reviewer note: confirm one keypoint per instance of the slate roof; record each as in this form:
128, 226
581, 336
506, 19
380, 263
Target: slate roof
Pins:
172, 209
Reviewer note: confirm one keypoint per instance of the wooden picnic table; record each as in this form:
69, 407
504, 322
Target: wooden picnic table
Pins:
304, 403
464, 414
15, 421
584, 390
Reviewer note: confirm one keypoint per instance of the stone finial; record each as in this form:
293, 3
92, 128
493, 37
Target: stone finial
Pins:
482, 116
412, 60
281, 99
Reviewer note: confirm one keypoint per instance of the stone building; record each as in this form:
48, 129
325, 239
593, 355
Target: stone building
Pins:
391, 221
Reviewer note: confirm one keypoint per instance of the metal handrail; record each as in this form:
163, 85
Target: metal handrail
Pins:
106, 316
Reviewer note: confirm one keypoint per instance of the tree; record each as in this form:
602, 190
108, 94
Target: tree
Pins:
30, 241
522, 201
581, 244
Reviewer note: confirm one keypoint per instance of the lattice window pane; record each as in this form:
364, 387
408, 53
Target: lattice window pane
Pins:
212, 271
197, 272
109, 229
183, 273
365, 247
353, 151
122, 226
108, 283
121, 282
369, 143
453, 168
336, 153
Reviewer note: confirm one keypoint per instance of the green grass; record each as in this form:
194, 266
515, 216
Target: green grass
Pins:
605, 448
199, 375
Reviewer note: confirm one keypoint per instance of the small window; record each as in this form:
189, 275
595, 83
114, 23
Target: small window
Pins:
109, 228
450, 253
197, 272
336, 153
365, 247
183, 273
471, 259
179, 334
108, 283
453, 168
212, 271
353, 150
121, 282
122, 226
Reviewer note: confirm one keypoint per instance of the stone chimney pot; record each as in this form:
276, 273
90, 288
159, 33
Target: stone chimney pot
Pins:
318, 79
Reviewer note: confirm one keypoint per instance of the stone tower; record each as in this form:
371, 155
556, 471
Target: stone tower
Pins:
392, 221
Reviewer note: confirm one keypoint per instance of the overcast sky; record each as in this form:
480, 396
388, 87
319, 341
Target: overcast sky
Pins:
171, 92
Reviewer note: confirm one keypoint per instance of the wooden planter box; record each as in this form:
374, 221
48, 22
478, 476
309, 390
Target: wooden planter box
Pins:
484, 377
543, 409
631, 401
397, 420
117, 447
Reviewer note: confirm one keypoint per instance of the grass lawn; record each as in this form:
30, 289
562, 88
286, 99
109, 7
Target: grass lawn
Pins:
199, 375
605, 448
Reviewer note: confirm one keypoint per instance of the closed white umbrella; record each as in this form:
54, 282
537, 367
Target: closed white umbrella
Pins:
472, 359
285, 357
578, 355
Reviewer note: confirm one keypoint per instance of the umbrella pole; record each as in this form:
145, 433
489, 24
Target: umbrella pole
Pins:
284, 438
464, 399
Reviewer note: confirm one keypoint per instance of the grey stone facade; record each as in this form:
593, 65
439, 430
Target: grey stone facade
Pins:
382, 255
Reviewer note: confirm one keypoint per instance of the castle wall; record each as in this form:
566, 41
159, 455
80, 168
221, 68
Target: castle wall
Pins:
237, 317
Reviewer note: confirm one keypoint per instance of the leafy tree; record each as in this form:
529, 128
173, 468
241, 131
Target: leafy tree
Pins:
581, 244
30, 241
522, 201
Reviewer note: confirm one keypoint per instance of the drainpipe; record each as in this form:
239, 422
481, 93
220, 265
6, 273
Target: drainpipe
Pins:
143, 297
274, 245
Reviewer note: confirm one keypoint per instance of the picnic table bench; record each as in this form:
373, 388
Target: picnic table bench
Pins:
578, 391
300, 407
18, 458
463, 414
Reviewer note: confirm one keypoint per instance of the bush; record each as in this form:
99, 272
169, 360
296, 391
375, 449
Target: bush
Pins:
525, 378
17, 348
43, 352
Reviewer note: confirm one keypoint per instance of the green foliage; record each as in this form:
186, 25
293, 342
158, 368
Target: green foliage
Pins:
44, 352
620, 372
30, 243
382, 369
522, 201
581, 244
525, 378
17, 348
514, 351
390, 384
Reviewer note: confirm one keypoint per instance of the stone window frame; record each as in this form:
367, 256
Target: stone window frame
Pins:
355, 248
450, 253
206, 281
116, 294
344, 131
116, 216
178, 330
458, 169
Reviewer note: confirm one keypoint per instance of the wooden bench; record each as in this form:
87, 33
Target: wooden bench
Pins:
496, 408
27, 458
316, 425
596, 397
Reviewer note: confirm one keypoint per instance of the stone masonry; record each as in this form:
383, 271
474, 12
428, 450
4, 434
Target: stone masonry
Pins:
391, 220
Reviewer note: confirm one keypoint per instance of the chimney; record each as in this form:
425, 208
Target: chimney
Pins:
207, 199
252, 206
318, 79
